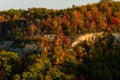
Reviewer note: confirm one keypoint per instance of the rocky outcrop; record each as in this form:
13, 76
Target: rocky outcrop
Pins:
26, 47
50, 36
6, 44
93, 37
35, 47
16, 47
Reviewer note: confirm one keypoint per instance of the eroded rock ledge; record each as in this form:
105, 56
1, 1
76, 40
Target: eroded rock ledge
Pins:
34, 46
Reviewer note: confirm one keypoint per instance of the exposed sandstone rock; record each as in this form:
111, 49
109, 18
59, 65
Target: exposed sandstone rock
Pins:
93, 37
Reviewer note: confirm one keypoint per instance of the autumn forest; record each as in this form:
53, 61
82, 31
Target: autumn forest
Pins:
55, 58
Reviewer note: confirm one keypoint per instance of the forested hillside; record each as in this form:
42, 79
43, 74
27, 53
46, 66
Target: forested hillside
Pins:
42, 44
24, 24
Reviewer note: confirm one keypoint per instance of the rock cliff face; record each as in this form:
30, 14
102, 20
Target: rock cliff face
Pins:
22, 48
93, 37
34, 46
16, 47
